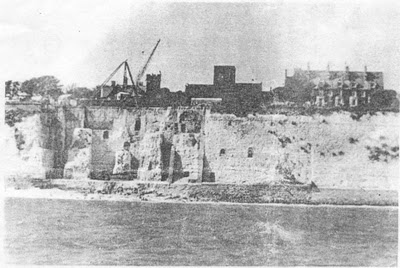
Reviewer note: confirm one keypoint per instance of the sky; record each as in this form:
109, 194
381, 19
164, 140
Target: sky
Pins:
82, 42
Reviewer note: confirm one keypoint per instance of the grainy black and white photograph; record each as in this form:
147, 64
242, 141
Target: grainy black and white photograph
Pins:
171, 133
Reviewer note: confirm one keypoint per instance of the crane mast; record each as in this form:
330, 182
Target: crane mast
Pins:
135, 90
143, 70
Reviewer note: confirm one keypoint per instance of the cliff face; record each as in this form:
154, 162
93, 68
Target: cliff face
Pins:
356, 154
79, 155
150, 161
257, 149
184, 145
27, 149
333, 151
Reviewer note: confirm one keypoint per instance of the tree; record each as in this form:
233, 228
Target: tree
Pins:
81, 92
12, 88
284, 93
44, 86
304, 94
384, 99
8, 87
371, 76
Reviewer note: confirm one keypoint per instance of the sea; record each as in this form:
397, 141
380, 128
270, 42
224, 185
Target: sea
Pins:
98, 232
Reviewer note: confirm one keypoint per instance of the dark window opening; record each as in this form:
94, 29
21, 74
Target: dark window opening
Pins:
183, 128
250, 152
212, 177
186, 174
105, 135
137, 124
230, 123
222, 152
150, 166
192, 121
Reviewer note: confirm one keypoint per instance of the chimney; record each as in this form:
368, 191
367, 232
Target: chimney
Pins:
365, 68
113, 83
285, 73
347, 69
328, 68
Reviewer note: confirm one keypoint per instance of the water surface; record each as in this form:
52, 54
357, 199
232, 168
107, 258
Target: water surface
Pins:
77, 232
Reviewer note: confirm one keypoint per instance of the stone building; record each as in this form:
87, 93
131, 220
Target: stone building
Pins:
335, 88
150, 95
114, 91
153, 82
157, 96
224, 87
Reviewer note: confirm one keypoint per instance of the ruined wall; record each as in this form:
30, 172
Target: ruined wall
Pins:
79, 164
333, 151
64, 125
256, 149
29, 146
112, 127
188, 157
150, 159
151, 133
336, 151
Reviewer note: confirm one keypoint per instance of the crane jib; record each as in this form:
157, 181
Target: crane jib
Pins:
140, 74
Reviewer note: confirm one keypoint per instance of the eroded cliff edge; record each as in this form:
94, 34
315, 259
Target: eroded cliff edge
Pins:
186, 145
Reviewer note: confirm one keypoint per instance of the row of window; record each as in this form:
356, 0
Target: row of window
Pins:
321, 93
250, 152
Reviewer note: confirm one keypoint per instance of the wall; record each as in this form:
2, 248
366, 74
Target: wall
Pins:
182, 145
153, 82
333, 151
79, 164
274, 141
224, 76
150, 158
139, 127
188, 156
67, 120
28, 148
152, 133
356, 153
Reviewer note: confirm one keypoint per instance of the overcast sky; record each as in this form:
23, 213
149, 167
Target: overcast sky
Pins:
83, 41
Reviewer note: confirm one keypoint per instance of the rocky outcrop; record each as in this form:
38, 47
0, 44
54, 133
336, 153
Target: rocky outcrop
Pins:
188, 156
150, 161
27, 149
79, 155
334, 151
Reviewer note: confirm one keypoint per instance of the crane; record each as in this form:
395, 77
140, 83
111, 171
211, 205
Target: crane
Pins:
135, 86
127, 71
141, 72
113, 73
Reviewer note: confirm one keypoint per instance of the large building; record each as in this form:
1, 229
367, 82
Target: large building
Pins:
335, 88
224, 87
